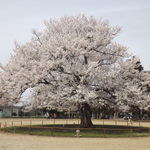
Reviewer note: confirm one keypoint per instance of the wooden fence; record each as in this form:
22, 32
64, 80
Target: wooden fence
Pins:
24, 122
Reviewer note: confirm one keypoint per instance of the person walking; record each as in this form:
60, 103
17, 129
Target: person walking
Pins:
130, 119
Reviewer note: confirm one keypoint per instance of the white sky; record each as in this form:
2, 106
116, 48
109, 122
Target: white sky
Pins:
18, 17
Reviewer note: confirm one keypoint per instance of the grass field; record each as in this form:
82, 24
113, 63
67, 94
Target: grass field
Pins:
68, 127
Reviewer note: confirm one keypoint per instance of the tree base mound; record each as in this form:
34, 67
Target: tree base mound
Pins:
70, 130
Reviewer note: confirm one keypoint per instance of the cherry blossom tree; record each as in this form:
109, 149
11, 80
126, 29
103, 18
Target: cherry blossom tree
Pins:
136, 84
6, 97
72, 63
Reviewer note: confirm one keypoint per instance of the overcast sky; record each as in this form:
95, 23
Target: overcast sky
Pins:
18, 17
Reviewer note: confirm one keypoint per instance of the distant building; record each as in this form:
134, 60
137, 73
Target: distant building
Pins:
9, 111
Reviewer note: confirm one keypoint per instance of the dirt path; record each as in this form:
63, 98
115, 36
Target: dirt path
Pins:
28, 142
30, 121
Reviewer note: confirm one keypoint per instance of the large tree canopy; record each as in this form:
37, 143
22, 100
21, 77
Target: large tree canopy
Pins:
75, 60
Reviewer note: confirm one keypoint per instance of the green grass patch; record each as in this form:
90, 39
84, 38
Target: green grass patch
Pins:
58, 130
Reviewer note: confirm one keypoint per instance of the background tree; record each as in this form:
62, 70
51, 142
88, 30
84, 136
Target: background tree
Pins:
135, 89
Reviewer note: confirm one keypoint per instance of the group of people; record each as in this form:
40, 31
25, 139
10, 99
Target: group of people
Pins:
128, 118
49, 116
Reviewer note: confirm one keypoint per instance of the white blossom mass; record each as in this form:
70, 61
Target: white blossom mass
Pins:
73, 61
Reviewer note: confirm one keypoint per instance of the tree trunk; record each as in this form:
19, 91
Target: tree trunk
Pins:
85, 114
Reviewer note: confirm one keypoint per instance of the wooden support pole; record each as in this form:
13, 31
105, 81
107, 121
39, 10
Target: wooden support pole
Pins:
14, 129
51, 132
104, 132
131, 133
116, 122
